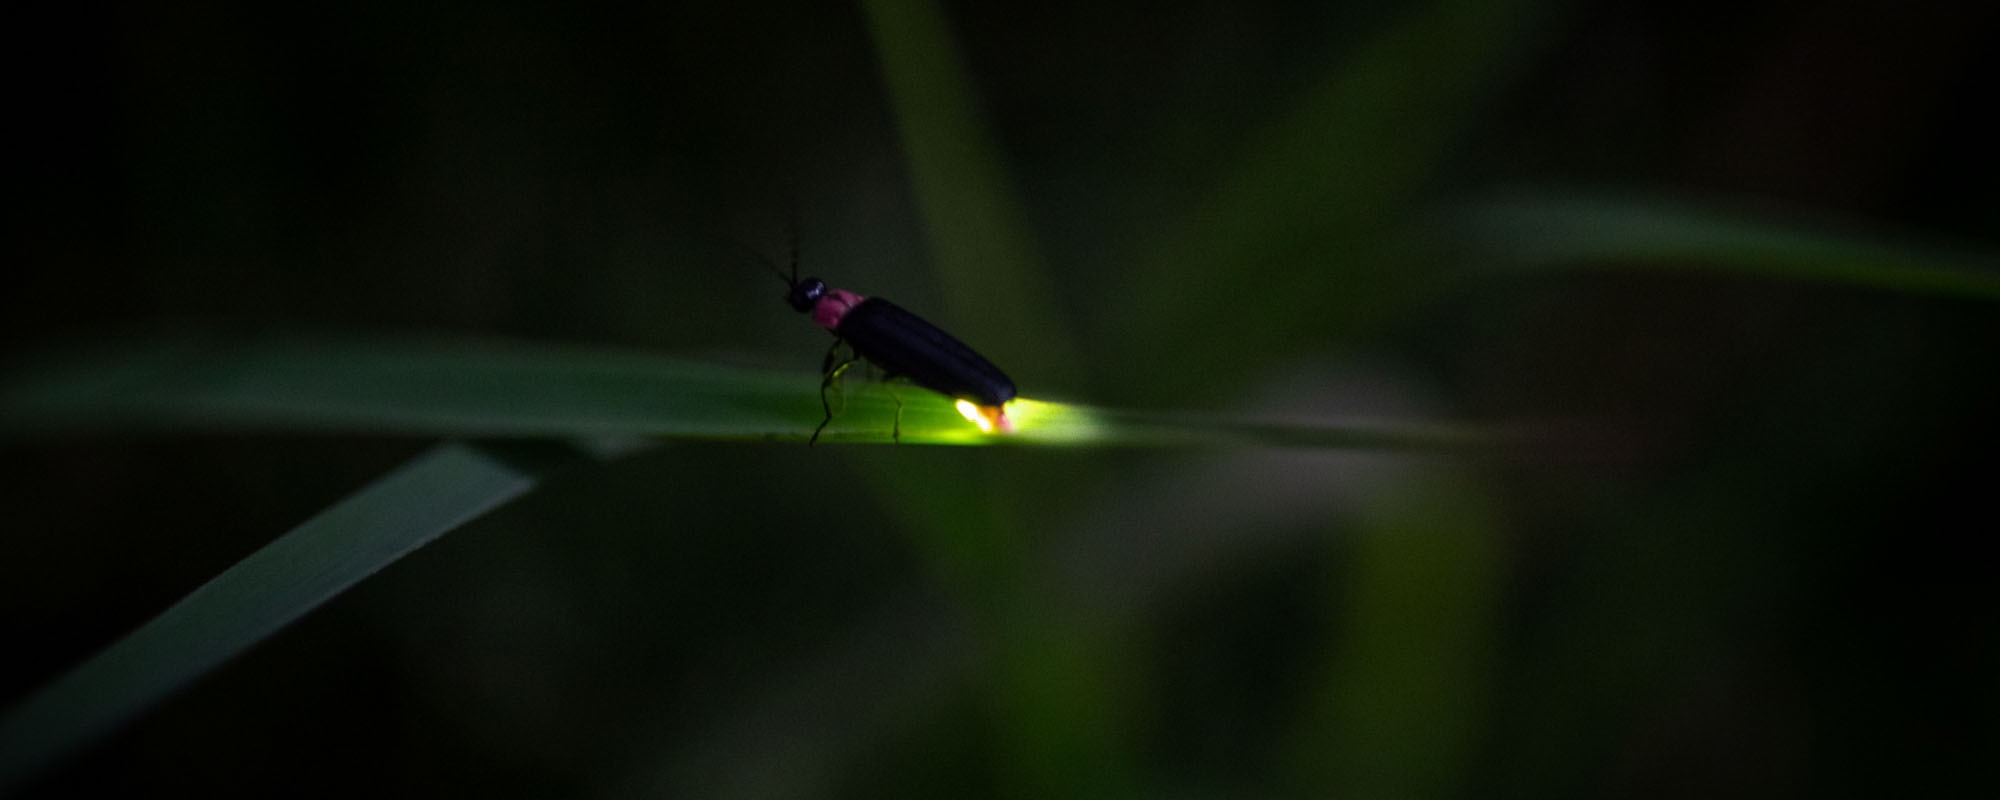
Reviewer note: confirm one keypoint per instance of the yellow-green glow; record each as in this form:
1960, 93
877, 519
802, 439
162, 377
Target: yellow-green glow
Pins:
1032, 419
977, 415
1053, 422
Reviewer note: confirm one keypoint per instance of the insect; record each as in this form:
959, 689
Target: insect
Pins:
903, 345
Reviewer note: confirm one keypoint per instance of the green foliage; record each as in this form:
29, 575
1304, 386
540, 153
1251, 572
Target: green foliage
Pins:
272, 588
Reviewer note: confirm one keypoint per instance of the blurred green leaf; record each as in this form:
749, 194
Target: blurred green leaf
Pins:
1403, 700
404, 510
981, 243
1578, 230
1288, 242
466, 388
444, 388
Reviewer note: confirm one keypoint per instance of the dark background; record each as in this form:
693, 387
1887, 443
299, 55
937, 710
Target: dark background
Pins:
1780, 593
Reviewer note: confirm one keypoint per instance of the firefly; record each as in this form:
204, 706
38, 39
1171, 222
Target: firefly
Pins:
902, 345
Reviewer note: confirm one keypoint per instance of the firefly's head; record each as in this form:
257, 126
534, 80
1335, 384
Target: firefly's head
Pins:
806, 293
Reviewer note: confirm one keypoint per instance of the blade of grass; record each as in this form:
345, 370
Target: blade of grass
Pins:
1582, 230
1288, 240
984, 249
493, 390
1404, 695
422, 386
438, 491
444, 388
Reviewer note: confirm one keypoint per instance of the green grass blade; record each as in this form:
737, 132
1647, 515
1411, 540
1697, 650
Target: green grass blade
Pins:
428, 387
1549, 230
1290, 232
440, 490
491, 390
984, 249
1403, 698
442, 387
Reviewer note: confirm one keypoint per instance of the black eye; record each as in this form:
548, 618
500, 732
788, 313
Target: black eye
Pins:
806, 293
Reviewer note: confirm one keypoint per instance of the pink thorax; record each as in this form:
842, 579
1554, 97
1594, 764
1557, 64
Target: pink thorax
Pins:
828, 312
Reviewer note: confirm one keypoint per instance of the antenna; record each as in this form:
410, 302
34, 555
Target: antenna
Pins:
795, 239
757, 255
763, 261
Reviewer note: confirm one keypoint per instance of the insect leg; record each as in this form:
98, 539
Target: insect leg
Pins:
896, 431
829, 379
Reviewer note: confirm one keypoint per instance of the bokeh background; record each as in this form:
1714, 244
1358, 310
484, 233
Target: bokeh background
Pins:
1769, 586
